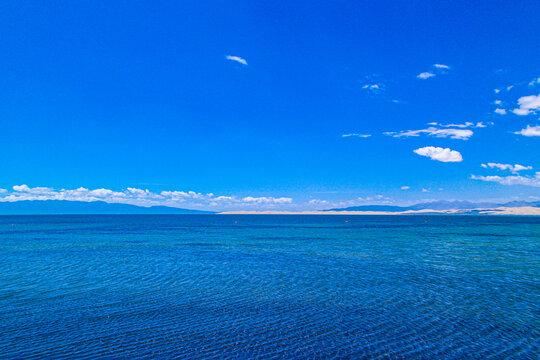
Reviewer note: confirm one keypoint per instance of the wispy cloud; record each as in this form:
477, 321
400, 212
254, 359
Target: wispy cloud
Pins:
441, 66
238, 59
143, 197
508, 88
513, 168
529, 131
267, 200
356, 135
405, 187
318, 202
425, 75
511, 180
527, 105
535, 82
377, 199
465, 125
376, 88
460, 134
500, 111
436, 69
440, 154
482, 125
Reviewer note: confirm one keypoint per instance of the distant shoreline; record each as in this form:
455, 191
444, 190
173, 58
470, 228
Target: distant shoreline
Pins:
523, 211
526, 210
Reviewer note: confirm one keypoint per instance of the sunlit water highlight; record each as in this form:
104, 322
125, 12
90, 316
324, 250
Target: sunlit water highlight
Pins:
318, 287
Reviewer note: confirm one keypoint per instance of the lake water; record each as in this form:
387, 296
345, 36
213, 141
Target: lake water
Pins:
291, 287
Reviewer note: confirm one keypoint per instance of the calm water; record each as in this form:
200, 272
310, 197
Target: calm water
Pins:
216, 287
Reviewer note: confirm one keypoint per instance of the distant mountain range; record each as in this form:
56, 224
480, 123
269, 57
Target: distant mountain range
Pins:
53, 207
439, 205
57, 207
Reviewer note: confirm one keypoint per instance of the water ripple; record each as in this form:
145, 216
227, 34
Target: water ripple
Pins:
314, 287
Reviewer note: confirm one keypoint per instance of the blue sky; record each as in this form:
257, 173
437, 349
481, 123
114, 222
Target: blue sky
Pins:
105, 97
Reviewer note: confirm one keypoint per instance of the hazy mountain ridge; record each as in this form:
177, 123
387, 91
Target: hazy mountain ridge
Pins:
61, 207
439, 205
65, 207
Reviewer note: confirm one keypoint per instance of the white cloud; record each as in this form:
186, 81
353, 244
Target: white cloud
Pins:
373, 87
511, 180
37, 190
425, 75
508, 88
267, 200
140, 197
24, 192
500, 111
535, 82
238, 59
104, 193
356, 135
527, 104
465, 125
317, 202
438, 68
496, 91
2, 190
183, 195
482, 125
460, 134
497, 102
441, 66
440, 154
405, 187
23, 188
223, 198
513, 168
425, 190
529, 131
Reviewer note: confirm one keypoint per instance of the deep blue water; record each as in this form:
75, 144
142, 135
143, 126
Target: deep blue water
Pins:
317, 287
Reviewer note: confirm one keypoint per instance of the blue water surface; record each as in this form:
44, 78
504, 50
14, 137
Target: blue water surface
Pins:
270, 287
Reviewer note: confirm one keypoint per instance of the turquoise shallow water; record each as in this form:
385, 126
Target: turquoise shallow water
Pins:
317, 287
